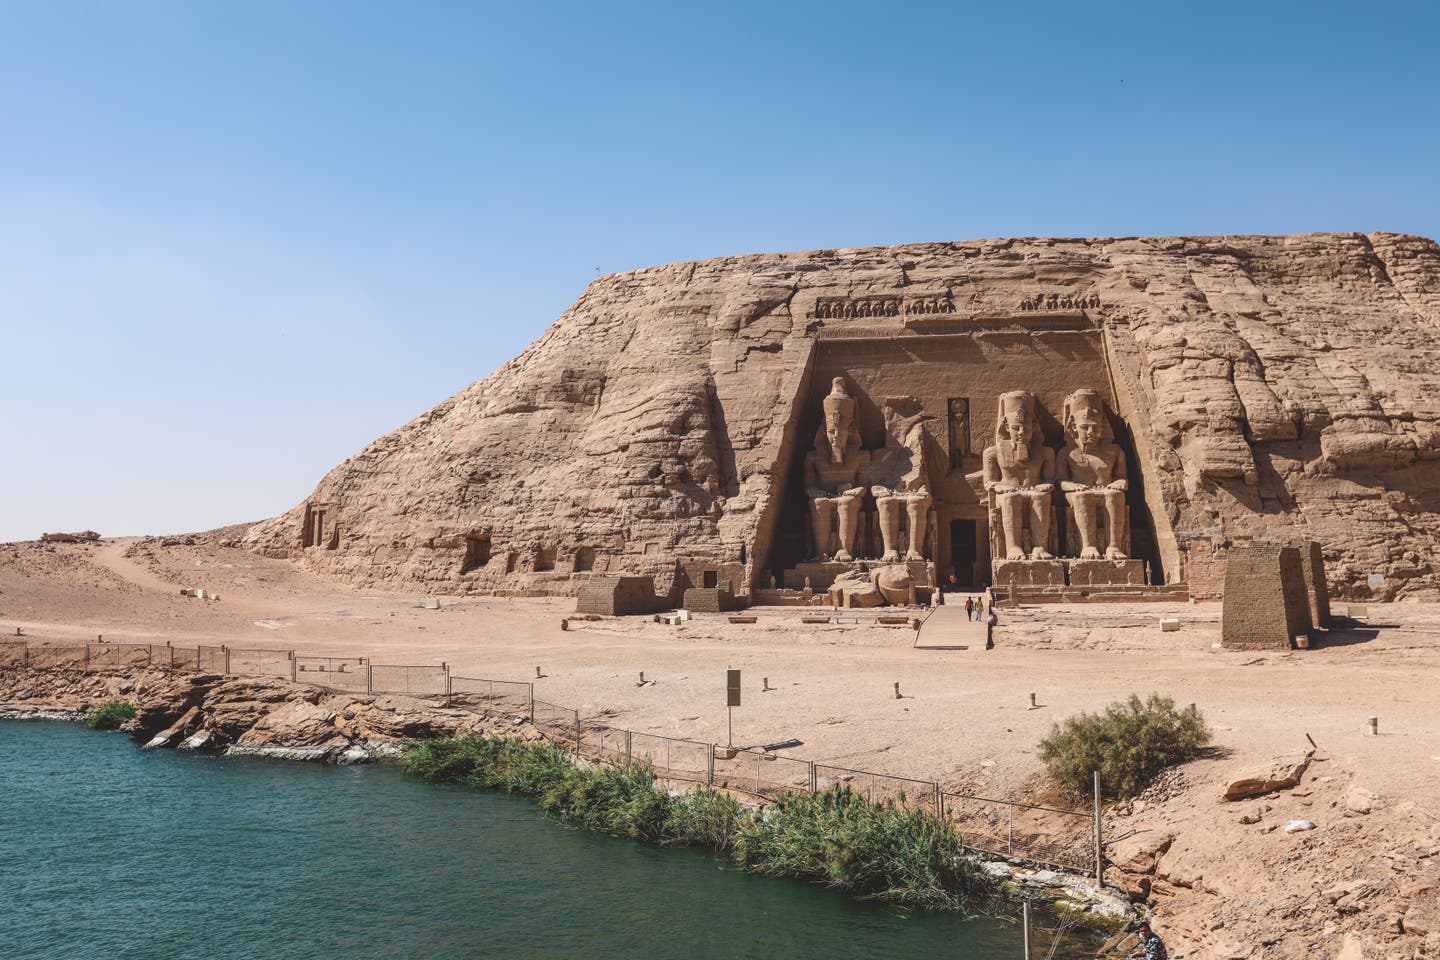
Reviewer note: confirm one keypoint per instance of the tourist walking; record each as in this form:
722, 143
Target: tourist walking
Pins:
969, 608
1151, 946
979, 608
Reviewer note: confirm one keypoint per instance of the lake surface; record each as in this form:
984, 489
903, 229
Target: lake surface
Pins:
110, 852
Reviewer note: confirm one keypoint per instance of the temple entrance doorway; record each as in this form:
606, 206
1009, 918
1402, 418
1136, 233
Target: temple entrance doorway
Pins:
964, 552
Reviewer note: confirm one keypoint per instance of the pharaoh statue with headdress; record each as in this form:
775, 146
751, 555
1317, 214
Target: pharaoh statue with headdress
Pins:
1020, 475
1093, 476
901, 479
833, 479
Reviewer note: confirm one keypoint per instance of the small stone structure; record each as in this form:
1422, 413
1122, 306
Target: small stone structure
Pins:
711, 600
1266, 603
619, 596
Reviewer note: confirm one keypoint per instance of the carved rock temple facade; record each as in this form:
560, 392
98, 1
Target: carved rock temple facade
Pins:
1057, 418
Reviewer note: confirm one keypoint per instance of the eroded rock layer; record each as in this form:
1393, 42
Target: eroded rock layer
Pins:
1271, 387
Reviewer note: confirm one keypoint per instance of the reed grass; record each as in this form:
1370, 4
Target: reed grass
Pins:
872, 851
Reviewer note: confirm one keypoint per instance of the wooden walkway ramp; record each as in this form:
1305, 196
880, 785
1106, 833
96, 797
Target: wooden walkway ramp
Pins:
948, 628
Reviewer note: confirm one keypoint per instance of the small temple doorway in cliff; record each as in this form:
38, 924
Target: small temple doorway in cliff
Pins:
964, 552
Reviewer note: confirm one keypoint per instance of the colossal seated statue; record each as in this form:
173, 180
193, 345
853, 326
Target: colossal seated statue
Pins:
1093, 476
833, 476
900, 479
1019, 473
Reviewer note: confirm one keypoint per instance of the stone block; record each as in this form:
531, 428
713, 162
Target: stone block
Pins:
1169, 624
711, 600
1357, 611
618, 596
1028, 573
1087, 573
1265, 605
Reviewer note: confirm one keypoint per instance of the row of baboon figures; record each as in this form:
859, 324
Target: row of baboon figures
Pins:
859, 307
1020, 474
847, 309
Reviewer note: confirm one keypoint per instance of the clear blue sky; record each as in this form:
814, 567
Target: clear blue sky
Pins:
240, 240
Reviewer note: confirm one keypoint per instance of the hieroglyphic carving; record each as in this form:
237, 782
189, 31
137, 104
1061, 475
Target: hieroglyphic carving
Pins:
959, 431
1059, 301
833, 475
1019, 472
1093, 475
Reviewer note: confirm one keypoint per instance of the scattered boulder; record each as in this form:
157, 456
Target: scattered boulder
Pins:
84, 536
1359, 800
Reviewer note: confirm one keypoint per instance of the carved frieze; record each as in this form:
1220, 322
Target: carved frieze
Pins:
851, 308
1059, 301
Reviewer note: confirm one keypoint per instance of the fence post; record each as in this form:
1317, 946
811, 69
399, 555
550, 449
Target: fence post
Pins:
709, 765
577, 733
369, 678
294, 668
1099, 848
226, 648
630, 749
171, 648
150, 655
938, 807
532, 701
812, 778
199, 667
25, 655
86, 668
1010, 830
445, 668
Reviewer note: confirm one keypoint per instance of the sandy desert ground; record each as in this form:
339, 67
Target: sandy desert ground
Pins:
964, 718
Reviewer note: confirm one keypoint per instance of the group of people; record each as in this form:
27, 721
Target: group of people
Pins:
975, 608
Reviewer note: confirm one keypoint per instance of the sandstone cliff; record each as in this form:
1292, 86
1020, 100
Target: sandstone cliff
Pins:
1274, 386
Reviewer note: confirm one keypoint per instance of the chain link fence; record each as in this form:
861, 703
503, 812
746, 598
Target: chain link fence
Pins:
881, 787
1007, 828
347, 674
491, 696
409, 680
764, 774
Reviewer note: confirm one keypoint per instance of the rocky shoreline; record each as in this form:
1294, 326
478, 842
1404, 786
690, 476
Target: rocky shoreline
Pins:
247, 716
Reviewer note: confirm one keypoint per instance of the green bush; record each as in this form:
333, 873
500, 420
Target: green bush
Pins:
1129, 742
111, 716
872, 851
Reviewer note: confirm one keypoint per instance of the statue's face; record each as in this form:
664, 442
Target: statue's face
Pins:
1018, 426
837, 431
1087, 434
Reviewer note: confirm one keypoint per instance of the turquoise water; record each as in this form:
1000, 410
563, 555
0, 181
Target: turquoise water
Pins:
110, 852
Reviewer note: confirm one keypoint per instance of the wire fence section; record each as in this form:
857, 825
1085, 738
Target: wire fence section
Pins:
409, 680
1007, 828
491, 696
764, 774
1067, 839
674, 758
260, 663
98, 657
348, 674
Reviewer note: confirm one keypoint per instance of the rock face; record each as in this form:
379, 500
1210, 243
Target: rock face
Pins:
1282, 388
